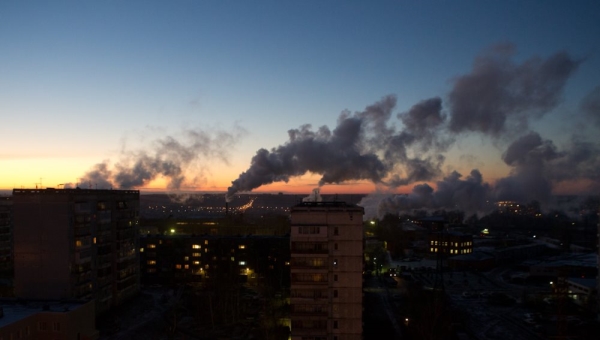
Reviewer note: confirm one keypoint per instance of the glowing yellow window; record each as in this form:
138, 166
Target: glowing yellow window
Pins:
196, 246
241, 246
151, 246
151, 262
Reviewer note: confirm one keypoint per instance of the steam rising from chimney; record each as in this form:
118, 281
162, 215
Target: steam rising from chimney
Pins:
498, 98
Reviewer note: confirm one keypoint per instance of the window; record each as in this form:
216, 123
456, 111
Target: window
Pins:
335, 324
186, 258
178, 266
152, 246
206, 242
242, 263
335, 277
151, 262
336, 231
335, 262
335, 246
335, 293
309, 230
56, 326
196, 254
241, 246
187, 266
196, 246
198, 262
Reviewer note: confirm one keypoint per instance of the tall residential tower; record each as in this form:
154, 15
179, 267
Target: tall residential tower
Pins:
326, 271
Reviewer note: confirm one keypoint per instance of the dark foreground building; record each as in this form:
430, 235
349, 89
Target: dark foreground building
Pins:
326, 271
76, 244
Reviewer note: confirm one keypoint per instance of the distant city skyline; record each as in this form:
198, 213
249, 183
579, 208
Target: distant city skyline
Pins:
498, 98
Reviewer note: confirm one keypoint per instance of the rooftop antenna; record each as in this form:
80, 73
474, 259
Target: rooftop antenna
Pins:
40, 184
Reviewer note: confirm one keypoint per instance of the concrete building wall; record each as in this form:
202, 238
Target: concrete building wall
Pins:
76, 243
326, 297
42, 247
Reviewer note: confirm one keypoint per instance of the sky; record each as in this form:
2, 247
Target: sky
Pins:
280, 96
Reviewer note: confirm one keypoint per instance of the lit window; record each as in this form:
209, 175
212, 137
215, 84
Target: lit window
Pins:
186, 258
196, 246
178, 266
206, 250
151, 262
198, 262
206, 242
196, 254
232, 258
242, 263
431, 250
141, 250
187, 266
94, 240
151, 246
78, 243
241, 246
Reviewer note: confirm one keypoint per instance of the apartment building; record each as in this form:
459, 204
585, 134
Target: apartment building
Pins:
450, 243
6, 265
326, 271
76, 244
167, 259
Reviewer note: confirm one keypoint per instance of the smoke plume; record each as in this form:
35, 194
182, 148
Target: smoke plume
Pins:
500, 95
453, 193
590, 105
168, 157
363, 146
498, 98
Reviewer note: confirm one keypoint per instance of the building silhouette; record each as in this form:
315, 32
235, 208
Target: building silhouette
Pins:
326, 271
76, 244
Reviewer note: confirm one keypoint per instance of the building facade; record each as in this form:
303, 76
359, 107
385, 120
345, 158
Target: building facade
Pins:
76, 244
48, 320
326, 271
450, 243
6, 261
174, 259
